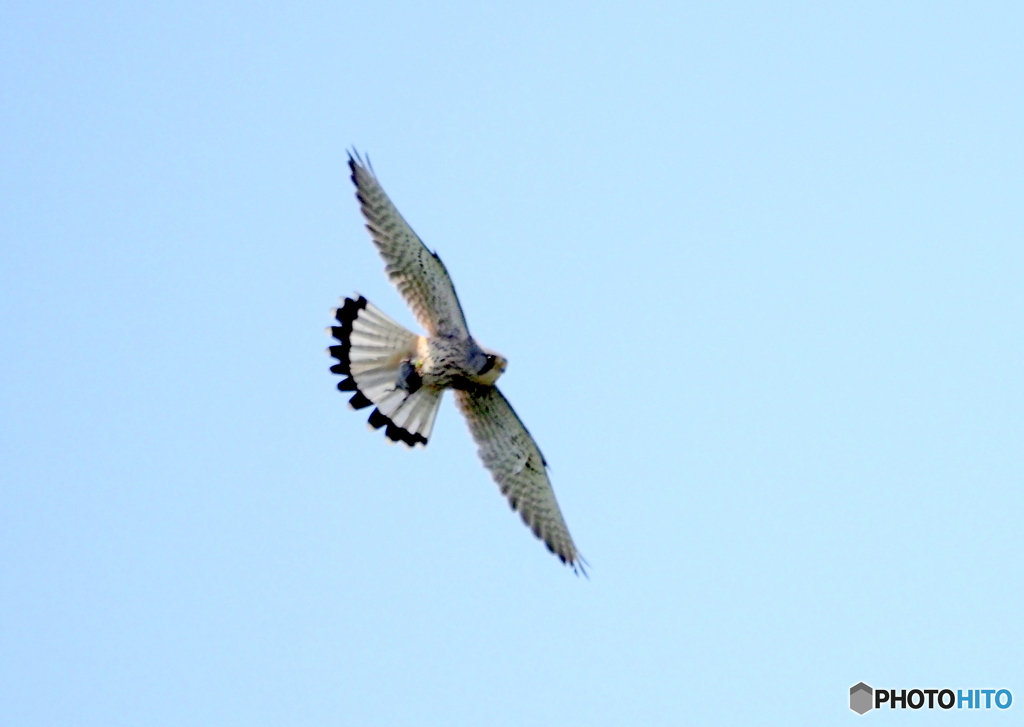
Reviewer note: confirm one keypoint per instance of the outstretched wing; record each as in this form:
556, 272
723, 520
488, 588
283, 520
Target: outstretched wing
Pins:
419, 274
518, 467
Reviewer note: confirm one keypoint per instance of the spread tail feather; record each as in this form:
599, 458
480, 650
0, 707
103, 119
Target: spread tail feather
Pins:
374, 354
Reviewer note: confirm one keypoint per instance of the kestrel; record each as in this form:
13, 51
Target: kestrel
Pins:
404, 375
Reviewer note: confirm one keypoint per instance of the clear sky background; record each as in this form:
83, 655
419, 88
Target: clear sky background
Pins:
757, 269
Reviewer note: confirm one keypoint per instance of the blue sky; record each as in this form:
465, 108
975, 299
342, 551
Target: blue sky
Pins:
758, 272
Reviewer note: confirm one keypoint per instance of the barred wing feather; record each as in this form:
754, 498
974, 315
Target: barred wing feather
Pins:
515, 462
419, 274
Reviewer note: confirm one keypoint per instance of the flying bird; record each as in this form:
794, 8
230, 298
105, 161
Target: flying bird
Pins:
404, 375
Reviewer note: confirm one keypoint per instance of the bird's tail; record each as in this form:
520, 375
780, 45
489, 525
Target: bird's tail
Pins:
375, 354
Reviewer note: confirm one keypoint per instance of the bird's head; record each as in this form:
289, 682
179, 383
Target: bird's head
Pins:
491, 365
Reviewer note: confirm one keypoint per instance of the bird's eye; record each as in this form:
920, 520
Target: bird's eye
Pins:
489, 364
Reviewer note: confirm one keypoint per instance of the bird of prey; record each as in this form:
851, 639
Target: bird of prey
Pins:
404, 375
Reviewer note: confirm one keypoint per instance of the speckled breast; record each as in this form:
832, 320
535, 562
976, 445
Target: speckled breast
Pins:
445, 362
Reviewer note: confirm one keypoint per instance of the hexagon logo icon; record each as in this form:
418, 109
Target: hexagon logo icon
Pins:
861, 698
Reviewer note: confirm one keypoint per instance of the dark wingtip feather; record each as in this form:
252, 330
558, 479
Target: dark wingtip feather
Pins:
377, 420
579, 566
359, 401
361, 161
